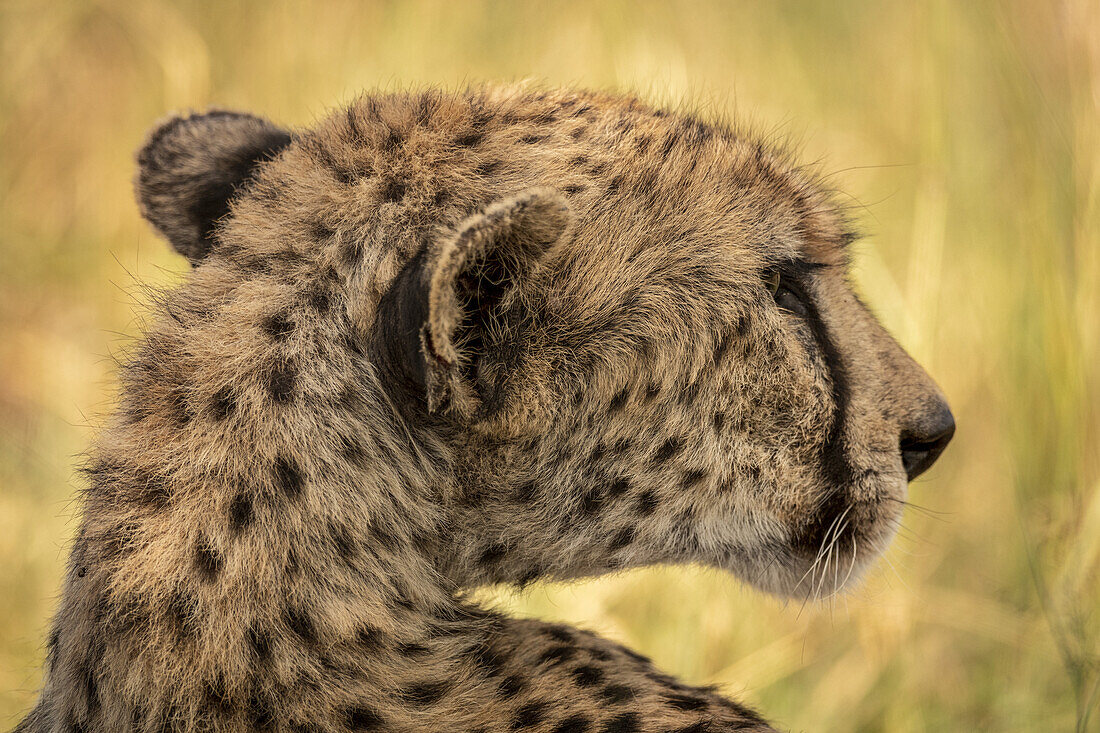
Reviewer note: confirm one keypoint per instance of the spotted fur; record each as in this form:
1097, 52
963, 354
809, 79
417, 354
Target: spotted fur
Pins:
443, 340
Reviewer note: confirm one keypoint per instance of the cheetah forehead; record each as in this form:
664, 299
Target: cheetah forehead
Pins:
378, 180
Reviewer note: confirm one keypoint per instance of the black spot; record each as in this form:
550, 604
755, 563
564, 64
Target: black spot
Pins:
686, 702
625, 723
369, 639
393, 190
577, 133
363, 718
723, 347
648, 502
703, 726
741, 326
616, 694
319, 300
260, 643
216, 694
592, 502
587, 675
470, 139
351, 400
694, 477
351, 254
384, 534
207, 560
177, 401
183, 612
557, 655
305, 728
412, 649
559, 633
621, 539
86, 673
669, 143
619, 487
277, 326
281, 381
573, 724
394, 140
696, 132
82, 571
167, 723
223, 403
511, 686
319, 232
288, 477
298, 621
525, 493
150, 490
423, 694
619, 400
719, 421
665, 680
574, 188
747, 713
689, 394
240, 511
343, 541
668, 450
613, 186
585, 109
530, 576
532, 139
489, 660
488, 167
652, 392
292, 566
352, 450
579, 160
529, 715
493, 554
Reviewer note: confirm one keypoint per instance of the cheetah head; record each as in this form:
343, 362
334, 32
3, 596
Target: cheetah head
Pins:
633, 333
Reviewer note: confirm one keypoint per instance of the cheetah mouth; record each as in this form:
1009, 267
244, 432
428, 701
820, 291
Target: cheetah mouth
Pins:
847, 534
837, 559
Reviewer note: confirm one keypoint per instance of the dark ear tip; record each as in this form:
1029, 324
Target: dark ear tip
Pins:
191, 165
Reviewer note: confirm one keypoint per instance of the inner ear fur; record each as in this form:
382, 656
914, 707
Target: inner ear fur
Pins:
447, 307
190, 168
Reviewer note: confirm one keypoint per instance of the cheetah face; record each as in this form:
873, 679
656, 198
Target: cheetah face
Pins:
655, 392
656, 359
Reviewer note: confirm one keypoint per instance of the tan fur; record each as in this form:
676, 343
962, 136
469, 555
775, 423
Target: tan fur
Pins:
442, 340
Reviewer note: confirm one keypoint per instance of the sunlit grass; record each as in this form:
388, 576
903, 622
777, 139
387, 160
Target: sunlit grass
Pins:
964, 135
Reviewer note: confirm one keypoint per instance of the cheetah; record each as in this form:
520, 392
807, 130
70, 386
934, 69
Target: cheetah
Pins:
442, 340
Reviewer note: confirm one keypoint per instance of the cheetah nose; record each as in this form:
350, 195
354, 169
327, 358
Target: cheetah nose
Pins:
924, 439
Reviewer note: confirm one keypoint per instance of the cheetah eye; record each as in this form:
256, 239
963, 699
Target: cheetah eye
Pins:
787, 293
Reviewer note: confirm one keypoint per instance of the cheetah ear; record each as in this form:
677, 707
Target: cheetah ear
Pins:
456, 302
190, 168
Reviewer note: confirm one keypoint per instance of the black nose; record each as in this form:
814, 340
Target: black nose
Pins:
923, 441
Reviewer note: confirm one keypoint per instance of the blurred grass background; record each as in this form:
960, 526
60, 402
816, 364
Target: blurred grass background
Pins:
968, 137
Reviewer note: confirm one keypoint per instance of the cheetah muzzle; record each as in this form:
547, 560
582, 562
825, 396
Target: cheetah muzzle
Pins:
444, 340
